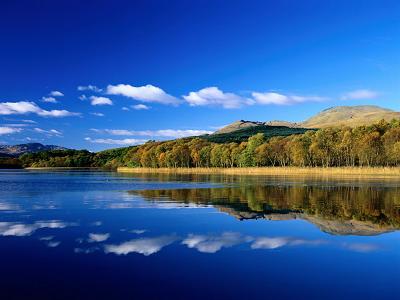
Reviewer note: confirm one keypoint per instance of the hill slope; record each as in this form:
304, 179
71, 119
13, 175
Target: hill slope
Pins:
350, 116
242, 124
238, 125
17, 150
243, 134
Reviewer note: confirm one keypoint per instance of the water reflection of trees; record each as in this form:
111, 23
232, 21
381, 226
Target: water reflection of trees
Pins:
377, 205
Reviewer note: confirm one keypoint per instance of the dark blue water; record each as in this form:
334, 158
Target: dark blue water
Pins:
99, 235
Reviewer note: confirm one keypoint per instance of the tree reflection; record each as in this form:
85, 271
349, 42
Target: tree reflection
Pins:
358, 209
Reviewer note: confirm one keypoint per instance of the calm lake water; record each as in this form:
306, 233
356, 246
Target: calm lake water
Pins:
103, 235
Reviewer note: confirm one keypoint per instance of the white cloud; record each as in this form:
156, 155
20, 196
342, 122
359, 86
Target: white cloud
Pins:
178, 133
49, 99
360, 94
147, 93
140, 107
9, 130
209, 96
116, 142
56, 94
213, 96
145, 246
89, 87
50, 132
125, 108
22, 107
114, 131
212, 244
57, 113
98, 237
100, 100
172, 133
26, 107
82, 97
29, 121
17, 125
281, 99
97, 114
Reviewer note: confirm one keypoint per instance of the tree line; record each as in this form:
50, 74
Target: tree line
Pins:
374, 145
109, 159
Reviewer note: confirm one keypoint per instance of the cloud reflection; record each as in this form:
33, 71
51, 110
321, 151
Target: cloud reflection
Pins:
269, 243
53, 244
21, 229
98, 237
145, 246
8, 206
278, 242
86, 250
46, 238
212, 244
138, 231
97, 223
361, 247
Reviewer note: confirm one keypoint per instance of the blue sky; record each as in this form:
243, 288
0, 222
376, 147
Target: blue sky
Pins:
129, 71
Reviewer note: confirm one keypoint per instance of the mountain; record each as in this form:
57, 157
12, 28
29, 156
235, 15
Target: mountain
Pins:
242, 124
283, 123
350, 116
335, 116
237, 126
17, 150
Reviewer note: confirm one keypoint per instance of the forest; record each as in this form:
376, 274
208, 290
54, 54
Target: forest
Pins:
108, 159
373, 145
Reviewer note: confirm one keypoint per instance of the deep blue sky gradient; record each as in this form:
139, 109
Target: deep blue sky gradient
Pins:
323, 48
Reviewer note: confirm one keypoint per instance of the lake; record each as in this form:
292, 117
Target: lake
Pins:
104, 235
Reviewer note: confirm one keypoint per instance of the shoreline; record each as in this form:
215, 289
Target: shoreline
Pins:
61, 168
342, 171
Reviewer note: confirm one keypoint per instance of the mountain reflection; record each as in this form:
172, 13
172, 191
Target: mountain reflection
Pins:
343, 210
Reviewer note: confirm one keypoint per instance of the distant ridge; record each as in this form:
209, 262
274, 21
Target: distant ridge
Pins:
331, 117
17, 150
350, 116
237, 126
242, 124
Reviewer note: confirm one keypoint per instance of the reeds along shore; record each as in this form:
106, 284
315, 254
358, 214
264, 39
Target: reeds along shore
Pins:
381, 171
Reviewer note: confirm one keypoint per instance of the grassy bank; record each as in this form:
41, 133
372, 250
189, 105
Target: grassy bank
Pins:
355, 171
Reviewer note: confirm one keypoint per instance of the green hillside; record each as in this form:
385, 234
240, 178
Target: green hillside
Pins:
243, 134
